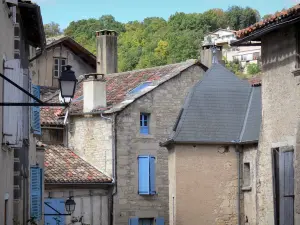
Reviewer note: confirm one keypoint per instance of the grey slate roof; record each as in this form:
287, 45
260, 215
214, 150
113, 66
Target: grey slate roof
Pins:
221, 108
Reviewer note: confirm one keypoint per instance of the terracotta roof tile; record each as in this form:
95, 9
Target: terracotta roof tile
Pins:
63, 166
285, 14
119, 84
51, 115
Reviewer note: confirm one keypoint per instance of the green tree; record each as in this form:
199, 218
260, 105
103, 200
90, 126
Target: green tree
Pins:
52, 29
253, 68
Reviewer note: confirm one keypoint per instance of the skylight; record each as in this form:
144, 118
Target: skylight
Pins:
140, 87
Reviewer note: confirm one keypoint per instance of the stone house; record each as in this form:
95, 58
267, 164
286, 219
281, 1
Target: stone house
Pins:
66, 175
277, 168
222, 38
215, 140
59, 52
21, 163
116, 121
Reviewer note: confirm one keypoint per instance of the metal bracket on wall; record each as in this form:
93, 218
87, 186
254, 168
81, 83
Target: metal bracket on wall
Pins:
38, 101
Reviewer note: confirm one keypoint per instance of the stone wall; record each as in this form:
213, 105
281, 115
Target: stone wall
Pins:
6, 156
163, 104
90, 136
206, 184
280, 108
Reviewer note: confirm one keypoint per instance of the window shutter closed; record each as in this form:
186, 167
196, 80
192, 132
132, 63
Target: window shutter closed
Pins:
144, 173
12, 115
160, 221
35, 111
133, 221
286, 189
152, 175
35, 193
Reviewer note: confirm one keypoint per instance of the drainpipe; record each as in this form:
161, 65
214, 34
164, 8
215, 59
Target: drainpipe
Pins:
237, 149
114, 156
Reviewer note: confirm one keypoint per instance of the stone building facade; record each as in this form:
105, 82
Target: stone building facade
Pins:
280, 107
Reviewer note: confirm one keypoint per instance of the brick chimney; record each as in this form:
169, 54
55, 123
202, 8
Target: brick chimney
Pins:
94, 85
107, 51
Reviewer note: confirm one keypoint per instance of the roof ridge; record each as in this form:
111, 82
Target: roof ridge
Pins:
151, 68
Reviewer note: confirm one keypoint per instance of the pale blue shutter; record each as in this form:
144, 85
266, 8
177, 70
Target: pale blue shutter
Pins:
160, 221
144, 174
59, 205
152, 175
35, 193
35, 112
144, 123
133, 221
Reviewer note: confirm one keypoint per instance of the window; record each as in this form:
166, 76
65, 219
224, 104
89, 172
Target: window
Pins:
146, 221
146, 173
140, 87
144, 123
6, 212
58, 66
255, 55
247, 177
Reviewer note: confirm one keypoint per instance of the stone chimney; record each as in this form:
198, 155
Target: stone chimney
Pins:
107, 51
94, 85
94, 92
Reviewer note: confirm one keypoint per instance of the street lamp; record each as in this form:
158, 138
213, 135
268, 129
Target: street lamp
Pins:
70, 205
67, 82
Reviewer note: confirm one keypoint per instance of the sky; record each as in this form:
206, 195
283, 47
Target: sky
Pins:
65, 11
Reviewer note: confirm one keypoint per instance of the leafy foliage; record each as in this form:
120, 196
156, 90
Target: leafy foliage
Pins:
253, 68
52, 29
156, 41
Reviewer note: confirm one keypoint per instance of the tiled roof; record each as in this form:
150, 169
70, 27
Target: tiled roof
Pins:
63, 166
118, 85
276, 18
51, 115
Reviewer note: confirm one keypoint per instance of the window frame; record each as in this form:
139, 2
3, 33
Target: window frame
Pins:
59, 66
247, 169
145, 128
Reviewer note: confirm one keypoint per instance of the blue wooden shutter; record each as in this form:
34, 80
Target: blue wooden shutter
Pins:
133, 221
152, 175
144, 173
144, 123
35, 193
160, 221
35, 112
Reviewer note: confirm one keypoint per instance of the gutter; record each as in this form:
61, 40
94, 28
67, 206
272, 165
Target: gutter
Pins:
238, 153
171, 141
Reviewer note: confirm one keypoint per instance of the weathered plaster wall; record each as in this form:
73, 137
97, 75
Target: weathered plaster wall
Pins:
280, 106
172, 186
163, 104
249, 191
6, 156
206, 184
92, 204
43, 74
90, 136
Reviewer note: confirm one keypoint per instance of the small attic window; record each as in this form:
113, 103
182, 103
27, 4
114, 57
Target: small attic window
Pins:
140, 87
